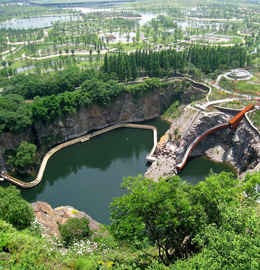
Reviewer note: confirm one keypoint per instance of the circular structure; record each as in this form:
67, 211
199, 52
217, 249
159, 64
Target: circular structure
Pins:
238, 74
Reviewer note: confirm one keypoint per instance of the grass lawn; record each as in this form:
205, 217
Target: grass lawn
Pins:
218, 94
237, 104
243, 87
132, 46
255, 118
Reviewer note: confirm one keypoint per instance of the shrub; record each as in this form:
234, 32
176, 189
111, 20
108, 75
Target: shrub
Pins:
14, 209
75, 229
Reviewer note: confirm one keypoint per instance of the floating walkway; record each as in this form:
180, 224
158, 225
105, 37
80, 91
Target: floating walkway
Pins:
233, 124
150, 157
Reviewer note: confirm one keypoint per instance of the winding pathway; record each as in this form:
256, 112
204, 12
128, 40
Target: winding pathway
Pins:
150, 157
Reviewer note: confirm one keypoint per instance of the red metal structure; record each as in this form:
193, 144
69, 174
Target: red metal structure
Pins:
198, 139
234, 122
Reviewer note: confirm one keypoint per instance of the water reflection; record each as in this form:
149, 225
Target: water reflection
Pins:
45, 21
87, 176
197, 168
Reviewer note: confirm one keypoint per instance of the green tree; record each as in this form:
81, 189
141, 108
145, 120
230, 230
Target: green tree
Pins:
128, 37
156, 213
75, 229
176, 132
14, 114
14, 209
66, 50
249, 60
235, 64
9, 62
233, 245
24, 155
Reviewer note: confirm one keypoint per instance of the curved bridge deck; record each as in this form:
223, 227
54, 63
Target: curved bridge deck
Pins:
233, 124
199, 138
150, 157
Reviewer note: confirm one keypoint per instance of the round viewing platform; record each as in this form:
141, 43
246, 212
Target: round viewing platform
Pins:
238, 74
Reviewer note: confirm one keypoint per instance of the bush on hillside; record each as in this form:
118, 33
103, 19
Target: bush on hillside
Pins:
75, 229
14, 209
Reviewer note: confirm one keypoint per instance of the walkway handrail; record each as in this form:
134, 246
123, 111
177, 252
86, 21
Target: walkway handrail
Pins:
77, 140
250, 122
233, 123
199, 138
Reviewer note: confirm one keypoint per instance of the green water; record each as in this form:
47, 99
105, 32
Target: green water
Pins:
197, 168
87, 176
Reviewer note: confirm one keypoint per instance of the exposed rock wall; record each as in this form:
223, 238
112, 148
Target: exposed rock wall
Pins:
49, 218
245, 151
241, 148
205, 121
10, 141
123, 109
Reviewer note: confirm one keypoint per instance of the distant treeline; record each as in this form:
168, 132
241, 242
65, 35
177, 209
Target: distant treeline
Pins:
32, 85
167, 62
47, 105
53, 95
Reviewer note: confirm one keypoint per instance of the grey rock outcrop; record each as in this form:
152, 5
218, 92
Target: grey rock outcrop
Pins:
123, 109
49, 218
222, 137
245, 151
241, 148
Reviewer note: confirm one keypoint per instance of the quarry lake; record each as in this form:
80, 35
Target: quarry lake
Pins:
87, 176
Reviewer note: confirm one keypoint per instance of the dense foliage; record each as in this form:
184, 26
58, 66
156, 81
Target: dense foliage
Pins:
169, 62
177, 217
32, 85
212, 225
160, 213
14, 209
75, 229
23, 155
15, 114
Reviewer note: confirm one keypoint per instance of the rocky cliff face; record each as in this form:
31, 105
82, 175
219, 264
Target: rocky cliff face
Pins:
205, 121
241, 148
123, 109
244, 153
49, 218
10, 141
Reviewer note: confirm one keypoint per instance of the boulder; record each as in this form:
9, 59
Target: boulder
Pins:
49, 218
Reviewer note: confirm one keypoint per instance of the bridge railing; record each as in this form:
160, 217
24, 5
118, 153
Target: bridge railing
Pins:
196, 141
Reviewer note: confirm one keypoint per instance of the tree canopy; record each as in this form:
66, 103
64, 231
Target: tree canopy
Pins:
75, 229
185, 221
24, 155
14, 113
14, 209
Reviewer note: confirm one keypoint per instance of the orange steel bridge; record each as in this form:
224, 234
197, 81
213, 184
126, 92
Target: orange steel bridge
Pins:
233, 124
